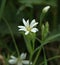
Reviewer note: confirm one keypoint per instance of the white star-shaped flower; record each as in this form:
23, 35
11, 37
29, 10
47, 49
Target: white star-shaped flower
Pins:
28, 27
20, 60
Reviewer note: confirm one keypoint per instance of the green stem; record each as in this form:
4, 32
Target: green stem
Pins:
28, 44
37, 53
45, 60
41, 18
11, 35
30, 59
33, 44
36, 58
45, 42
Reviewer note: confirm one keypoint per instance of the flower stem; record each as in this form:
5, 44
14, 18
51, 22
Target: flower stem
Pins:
30, 58
36, 57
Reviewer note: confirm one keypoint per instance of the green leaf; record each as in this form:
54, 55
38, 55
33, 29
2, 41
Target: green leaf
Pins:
48, 40
51, 38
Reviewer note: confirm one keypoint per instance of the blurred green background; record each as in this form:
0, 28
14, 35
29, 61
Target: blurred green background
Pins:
11, 14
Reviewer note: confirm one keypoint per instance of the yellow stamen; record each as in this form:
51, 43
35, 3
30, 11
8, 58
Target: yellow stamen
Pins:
28, 28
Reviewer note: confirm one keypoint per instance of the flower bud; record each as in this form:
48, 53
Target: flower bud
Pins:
42, 29
47, 27
45, 9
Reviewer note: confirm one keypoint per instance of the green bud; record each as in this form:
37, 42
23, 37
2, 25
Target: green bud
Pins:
47, 27
42, 30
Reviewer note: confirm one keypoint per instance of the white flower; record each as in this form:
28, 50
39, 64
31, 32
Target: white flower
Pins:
28, 27
20, 60
45, 9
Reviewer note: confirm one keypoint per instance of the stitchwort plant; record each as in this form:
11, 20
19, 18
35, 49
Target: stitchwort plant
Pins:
29, 31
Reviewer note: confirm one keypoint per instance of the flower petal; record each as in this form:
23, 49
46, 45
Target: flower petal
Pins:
34, 24
22, 28
27, 32
13, 57
26, 62
12, 61
23, 56
27, 25
34, 30
33, 21
24, 22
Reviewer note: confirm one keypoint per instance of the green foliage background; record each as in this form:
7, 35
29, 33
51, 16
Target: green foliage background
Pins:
11, 14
